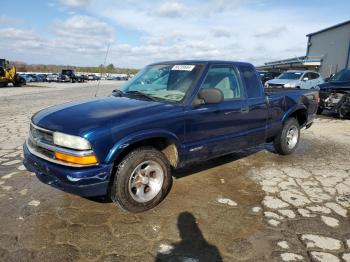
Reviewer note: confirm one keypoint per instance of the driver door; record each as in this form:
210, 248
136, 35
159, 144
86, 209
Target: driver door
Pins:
214, 129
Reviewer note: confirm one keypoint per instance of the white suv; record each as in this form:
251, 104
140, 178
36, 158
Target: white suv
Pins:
296, 79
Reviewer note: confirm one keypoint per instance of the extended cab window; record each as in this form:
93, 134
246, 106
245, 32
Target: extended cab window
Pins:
226, 79
252, 82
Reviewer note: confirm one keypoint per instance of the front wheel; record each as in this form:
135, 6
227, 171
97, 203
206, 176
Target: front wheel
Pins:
287, 140
142, 180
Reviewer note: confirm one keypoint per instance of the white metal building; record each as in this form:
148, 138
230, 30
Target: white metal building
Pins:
333, 45
328, 51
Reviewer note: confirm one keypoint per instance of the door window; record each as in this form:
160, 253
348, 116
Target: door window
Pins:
307, 77
226, 79
314, 75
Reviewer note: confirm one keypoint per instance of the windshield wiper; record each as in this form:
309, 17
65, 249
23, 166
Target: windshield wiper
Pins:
117, 93
140, 94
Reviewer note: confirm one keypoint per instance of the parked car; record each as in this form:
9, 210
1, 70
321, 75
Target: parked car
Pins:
22, 80
335, 94
27, 78
126, 145
41, 78
85, 77
296, 79
63, 78
52, 78
72, 76
34, 77
93, 77
268, 75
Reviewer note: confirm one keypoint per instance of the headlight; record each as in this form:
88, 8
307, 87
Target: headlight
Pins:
266, 85
289, 85
69, 141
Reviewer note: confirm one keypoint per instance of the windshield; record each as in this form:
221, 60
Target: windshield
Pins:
341, 76
164, 82
291, 75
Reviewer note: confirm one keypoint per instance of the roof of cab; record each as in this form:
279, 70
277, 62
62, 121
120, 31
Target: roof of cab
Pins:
200, 62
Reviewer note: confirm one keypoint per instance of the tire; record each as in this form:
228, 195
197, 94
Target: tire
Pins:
342, 113
17, 83
284, 145
319, 110
129, 192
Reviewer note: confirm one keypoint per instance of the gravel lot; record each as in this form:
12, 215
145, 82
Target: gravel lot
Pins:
249, 206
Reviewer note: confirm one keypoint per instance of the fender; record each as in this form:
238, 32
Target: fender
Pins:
292, 110
137, 137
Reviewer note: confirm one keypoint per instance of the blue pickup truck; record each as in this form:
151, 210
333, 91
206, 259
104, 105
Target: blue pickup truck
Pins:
171, 114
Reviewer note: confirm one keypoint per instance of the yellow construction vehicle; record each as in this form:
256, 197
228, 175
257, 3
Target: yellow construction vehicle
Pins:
9, 75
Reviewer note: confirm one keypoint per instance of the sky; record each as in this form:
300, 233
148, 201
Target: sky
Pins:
79, 32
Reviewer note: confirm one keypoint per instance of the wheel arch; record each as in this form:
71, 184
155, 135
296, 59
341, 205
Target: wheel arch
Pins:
162, 140
300, 113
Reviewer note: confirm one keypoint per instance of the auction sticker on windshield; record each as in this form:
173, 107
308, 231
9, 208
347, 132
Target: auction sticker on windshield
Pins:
183, 67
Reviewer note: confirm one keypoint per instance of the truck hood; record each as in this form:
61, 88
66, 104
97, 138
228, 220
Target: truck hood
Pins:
335, 85
82, 117
282, 81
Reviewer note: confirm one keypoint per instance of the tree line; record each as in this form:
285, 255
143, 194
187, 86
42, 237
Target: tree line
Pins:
109, 69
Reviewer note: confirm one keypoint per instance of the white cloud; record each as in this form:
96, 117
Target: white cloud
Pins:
229, 30
171, 9
270, 32
77, 40
19, 39
221, 32
7, 20
82, 26
76, 3
141, 32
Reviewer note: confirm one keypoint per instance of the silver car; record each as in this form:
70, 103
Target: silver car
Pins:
296, 79
52, 78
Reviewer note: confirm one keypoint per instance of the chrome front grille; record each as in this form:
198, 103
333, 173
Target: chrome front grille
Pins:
40, 134
40, 143
38, 139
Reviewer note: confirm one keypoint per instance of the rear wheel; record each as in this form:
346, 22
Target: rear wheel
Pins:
142, 180
287, 140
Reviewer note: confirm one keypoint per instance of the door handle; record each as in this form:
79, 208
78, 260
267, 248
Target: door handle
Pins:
245, 110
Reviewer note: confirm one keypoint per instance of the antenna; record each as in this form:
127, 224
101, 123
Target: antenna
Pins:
104, 65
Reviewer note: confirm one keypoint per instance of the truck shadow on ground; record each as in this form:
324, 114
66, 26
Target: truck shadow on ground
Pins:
192, 247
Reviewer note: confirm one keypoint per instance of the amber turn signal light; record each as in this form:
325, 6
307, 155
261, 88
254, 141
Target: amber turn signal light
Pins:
79, 160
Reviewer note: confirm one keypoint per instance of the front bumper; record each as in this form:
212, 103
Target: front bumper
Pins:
84, 181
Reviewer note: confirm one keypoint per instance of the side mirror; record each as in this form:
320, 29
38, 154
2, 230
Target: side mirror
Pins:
305, 78
211, 95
